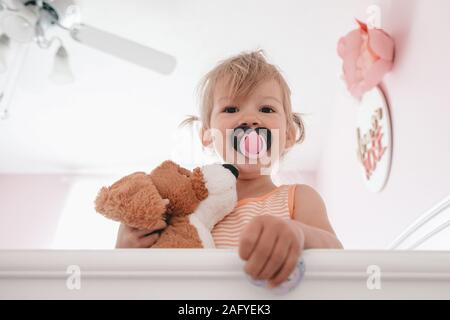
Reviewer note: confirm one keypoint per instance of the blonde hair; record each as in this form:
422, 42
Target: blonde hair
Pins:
244, 72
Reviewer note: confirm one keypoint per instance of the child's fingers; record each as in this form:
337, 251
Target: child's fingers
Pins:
144, 232
249, 238
262, 252
286, 268
148, 241
277, 258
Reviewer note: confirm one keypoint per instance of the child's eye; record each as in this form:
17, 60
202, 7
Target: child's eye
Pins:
230, 109
267, 109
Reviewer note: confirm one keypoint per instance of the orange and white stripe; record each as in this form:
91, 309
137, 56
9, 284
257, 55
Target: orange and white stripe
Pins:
279, 203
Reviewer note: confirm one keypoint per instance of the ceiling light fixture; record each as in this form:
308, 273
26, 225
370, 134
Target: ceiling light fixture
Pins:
27, 21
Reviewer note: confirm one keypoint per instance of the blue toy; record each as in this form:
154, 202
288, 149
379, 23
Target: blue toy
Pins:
292, 282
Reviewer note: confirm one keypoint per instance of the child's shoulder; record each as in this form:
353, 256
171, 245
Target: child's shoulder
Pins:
305, 199
301, 190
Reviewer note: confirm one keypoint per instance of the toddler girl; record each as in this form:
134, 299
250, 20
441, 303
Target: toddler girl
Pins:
270, 224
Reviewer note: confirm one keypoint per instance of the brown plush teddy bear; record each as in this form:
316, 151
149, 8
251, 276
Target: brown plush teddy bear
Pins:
190, 203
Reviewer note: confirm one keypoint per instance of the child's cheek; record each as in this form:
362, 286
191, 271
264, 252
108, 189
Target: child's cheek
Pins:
222, 144
277, 144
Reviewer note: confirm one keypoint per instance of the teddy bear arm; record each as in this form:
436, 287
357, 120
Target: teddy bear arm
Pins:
104, 201
133, 200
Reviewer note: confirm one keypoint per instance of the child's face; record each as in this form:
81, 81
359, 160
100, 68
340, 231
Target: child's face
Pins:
263, 108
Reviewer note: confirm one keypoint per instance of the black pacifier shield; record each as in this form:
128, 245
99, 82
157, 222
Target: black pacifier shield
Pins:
266, 134
241, 131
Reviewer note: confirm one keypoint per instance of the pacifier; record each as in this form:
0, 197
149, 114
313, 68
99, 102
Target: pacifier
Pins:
252, 143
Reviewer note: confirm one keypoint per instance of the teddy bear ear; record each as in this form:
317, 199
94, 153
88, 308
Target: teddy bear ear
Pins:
198, 184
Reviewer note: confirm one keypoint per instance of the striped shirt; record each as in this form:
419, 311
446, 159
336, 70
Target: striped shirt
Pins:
278, 202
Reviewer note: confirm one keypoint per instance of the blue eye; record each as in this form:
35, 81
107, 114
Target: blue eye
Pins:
266, 109
230, 109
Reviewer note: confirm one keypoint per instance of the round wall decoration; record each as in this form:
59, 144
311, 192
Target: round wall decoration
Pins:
374, 139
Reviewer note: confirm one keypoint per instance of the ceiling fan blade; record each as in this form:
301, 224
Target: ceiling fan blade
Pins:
124, 49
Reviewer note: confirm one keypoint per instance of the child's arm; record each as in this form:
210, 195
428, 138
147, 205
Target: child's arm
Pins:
310, 214
311, 225
271, 245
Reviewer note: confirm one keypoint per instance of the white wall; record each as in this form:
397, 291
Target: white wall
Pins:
53, 211
418, 91
30, 208
70, 133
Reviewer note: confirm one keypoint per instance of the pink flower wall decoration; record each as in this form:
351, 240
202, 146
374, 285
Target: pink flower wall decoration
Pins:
368, 54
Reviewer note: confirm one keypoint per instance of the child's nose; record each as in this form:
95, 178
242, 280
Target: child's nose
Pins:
248, 124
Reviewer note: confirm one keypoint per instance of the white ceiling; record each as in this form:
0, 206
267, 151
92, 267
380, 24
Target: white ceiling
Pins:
119, 116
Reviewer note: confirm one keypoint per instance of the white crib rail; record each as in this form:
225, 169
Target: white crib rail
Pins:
431, 231
218, 274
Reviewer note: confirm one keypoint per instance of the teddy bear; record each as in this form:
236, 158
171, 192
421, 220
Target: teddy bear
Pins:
186, 204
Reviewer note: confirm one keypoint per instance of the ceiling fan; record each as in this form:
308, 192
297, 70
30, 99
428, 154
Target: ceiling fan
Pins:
28, 21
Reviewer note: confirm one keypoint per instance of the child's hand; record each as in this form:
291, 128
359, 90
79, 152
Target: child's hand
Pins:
271, 246
129, 237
